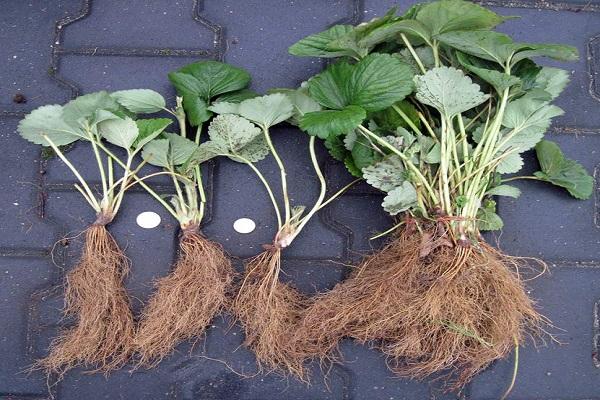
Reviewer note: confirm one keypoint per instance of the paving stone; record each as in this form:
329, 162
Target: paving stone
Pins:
21, 201
19, 277
93, 45
567, 296
545, 221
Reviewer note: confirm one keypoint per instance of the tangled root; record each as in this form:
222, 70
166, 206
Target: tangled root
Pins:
95, 296
186, 300
449, 308
269, 310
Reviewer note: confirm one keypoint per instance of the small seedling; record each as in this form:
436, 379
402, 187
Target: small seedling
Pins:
266, 307
95, 297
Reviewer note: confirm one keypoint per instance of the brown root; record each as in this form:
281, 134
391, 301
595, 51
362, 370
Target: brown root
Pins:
269, 310
453, 310
186, 300
95, 296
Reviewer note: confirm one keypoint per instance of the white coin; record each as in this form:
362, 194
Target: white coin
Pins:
244, 225
148, 219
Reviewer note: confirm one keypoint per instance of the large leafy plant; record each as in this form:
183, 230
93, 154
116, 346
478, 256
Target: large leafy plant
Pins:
434, 109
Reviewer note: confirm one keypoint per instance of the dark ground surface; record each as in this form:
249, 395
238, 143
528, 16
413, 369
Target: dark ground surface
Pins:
52, 50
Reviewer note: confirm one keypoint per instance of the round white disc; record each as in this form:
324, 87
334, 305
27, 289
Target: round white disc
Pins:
244, 225
148, 219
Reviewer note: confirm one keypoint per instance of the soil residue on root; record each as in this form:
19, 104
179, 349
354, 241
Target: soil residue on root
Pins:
269, 311
186, 300
95, 297
429, 305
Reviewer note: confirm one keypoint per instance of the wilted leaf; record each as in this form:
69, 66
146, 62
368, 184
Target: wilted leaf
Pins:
235, 135
301, 101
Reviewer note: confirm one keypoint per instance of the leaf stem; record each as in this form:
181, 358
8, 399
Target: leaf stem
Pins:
393, 228
138, 180
413, 53
317, 206
100, 163
286, 200
514, 178
406, 119
339, 193
264, 182
91, 198
408, 162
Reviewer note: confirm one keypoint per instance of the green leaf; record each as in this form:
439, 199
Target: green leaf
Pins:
156, 152
552, 80
336, 147
47, 120
448, 90
454, 15
318, 44
487, 219
563, 172
332, 122
528, 119
208, 79
434, 155
378, 81
504, 190
180, 149
149, 129
265, 111
120, 132
510, 164
400, 199
389, 119
489, 45
238, 96
301, 101
140, 100
555, 51
499, 80
329, 87
391, 30
386, 174
86, 106
351, 167
196, 109
374, 83
424, 53
363, 153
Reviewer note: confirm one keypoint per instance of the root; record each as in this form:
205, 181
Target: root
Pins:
453, 310
269, 310
186, 300
96, 298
